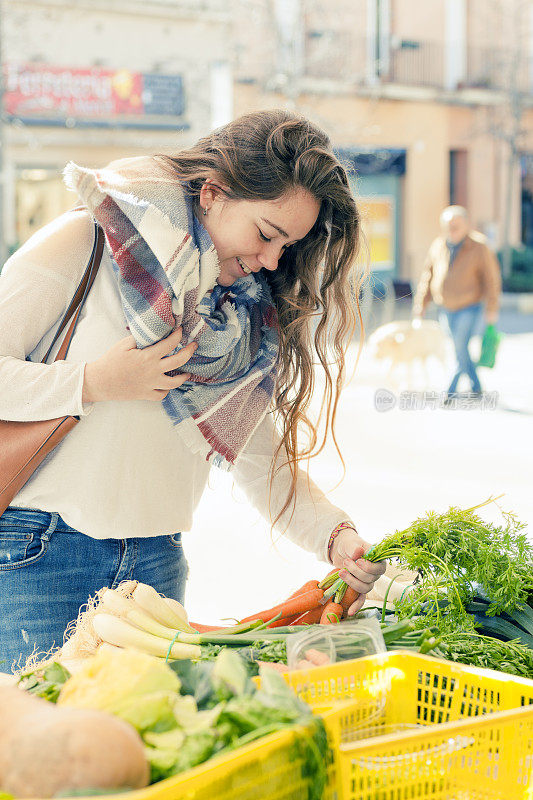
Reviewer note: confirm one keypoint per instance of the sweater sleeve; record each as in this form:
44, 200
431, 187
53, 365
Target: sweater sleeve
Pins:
423, 292
314, 517
491, 280
36, 286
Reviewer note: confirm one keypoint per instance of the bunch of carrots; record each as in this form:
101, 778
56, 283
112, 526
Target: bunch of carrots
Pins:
325, 602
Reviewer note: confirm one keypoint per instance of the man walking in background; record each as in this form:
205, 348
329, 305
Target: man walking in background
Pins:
460, 274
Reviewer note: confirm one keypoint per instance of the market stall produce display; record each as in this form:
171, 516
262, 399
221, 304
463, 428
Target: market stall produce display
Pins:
127, 718
468, 601
185, 691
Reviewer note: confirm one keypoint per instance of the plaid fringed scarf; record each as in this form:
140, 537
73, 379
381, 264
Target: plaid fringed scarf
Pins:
166, 266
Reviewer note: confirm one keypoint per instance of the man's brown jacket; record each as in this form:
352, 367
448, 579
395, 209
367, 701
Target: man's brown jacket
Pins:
474, 276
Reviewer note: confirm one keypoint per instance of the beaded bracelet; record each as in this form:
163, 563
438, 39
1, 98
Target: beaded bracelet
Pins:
340, 527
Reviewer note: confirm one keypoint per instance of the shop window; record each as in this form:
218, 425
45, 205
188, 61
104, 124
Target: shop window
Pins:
40, 197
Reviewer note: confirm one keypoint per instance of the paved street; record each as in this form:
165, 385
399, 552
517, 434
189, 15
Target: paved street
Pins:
399, 464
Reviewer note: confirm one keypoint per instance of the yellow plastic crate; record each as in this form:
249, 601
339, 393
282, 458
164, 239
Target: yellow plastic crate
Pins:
269, 768
476, 743
419, 727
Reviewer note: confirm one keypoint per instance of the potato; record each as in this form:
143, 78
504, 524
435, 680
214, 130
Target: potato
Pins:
45, 749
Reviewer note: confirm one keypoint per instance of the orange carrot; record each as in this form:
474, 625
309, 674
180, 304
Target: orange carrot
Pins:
296, 605
303, 589
205, 628
350, 596
310, 617
331, 610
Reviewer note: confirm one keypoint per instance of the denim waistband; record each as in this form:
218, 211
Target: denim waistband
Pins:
34, 516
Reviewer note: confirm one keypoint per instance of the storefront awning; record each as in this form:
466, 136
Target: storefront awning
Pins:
370, 161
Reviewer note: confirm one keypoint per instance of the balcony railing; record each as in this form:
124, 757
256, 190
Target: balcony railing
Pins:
340, 56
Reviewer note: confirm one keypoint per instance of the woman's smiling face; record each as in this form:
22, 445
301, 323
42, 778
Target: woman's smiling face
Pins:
252, 235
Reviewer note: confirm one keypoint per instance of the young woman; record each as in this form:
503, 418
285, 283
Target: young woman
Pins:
195, 346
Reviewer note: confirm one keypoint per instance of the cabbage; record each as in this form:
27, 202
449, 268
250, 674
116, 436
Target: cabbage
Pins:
161, 750
190, 719
188, 712
139, 688
229, 674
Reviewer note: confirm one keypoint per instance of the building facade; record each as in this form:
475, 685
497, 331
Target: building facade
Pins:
431, 103
427, 103
95, 80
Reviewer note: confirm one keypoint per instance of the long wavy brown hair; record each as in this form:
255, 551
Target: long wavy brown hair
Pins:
262, 156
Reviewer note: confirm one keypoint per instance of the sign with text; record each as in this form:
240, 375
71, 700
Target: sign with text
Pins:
46, 91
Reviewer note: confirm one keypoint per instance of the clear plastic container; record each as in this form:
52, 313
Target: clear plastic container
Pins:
329, 644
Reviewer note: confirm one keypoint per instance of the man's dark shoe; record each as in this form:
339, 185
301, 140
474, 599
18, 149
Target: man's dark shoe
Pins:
450, 400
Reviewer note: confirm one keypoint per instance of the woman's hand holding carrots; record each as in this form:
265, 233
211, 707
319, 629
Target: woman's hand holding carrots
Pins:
339, 595
347, 553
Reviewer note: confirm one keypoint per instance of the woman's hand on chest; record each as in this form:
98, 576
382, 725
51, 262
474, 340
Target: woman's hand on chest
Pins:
126, 373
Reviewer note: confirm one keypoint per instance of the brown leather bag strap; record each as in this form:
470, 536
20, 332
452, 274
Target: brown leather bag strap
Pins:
79, 297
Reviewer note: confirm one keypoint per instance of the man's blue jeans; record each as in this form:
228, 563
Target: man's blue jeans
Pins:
48, 570
462, 325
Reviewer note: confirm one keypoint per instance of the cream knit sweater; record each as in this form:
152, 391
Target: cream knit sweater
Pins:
123, 471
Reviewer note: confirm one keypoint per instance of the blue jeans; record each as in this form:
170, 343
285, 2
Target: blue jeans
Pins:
48, 570
462, 325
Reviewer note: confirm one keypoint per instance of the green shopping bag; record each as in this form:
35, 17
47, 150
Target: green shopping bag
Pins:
489, 347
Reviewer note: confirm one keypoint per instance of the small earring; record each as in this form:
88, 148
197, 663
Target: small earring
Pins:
205, 212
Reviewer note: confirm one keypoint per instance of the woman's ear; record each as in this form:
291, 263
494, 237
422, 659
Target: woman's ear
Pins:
212, 191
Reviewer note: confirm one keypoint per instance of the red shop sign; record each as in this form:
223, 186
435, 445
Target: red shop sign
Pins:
48, 91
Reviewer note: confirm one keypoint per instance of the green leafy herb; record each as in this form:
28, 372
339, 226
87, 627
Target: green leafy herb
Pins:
486, 652
316, 757
475, 580
456, 552
46, 683
274, 650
